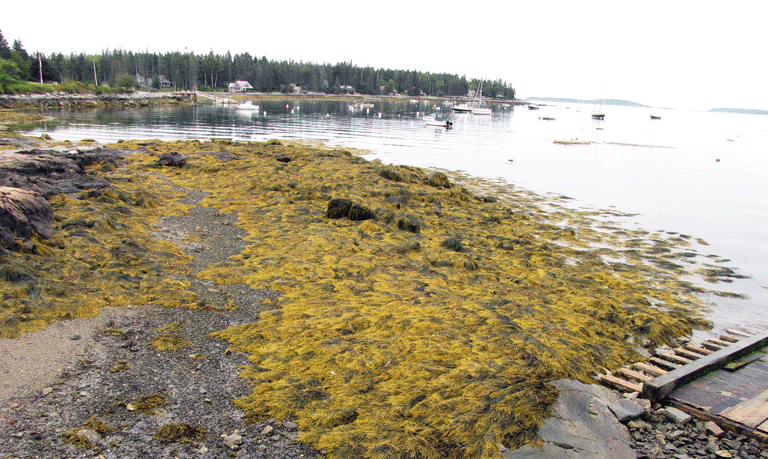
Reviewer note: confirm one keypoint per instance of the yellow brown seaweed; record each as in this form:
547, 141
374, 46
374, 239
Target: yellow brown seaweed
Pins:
430, 330
388, 343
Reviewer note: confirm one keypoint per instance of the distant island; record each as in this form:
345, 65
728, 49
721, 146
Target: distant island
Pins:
743, 111
624, 103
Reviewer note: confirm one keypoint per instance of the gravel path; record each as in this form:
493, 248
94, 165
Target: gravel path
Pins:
55, 380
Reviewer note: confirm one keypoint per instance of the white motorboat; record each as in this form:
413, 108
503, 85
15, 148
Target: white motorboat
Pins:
438, 120
247, 106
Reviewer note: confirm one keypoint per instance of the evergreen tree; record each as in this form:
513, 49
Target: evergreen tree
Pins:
5, 50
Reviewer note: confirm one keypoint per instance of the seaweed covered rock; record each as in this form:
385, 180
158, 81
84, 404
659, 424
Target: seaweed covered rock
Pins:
338, 208
359, 212
173, 159
23, 213
438, 180
52, 172
453, 243
341, 208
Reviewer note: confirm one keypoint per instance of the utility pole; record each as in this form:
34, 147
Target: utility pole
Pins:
40, 66
95, 82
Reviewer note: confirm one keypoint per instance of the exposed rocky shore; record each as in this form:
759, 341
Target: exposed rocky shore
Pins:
114, 397
62, 100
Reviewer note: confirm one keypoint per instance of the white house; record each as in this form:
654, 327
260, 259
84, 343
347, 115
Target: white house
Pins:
164, 83
239, 86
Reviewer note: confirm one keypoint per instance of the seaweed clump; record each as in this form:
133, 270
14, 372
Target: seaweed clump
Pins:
79, 437
170, 338
179, 432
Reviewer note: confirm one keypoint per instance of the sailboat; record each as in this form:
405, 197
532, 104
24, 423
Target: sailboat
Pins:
654, 117
599, 115
477, 106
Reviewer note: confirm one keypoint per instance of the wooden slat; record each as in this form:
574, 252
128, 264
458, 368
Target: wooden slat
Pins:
650, 369
622, 384
749, 329
697, 349
674, 358
739, 333
687, 354
634, 374
752, 412
729, 338
714, 344
664, 364
763, 427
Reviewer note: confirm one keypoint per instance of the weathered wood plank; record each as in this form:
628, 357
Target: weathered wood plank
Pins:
664, 363
660, 386
715, 344
685, 353
752, 412
739, 333
621, 384
763, 427
633, 374
648, 368
729, 338
697, 349
674, 358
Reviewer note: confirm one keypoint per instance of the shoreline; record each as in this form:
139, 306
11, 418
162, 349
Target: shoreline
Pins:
26, 102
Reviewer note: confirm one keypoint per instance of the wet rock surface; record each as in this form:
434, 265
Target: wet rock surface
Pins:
584, 425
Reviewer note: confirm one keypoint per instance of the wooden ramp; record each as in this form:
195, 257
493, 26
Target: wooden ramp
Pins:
724, 380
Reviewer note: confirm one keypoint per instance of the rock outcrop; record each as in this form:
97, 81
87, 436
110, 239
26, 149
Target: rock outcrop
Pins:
28, 178
581, 427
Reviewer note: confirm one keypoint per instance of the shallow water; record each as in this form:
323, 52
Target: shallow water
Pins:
697, 173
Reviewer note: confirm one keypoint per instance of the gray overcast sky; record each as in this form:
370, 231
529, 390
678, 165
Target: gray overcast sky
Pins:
680, 54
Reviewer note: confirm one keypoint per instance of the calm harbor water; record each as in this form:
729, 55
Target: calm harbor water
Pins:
698, 173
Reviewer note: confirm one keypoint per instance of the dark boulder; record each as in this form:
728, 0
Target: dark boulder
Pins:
22, 213
453, 243
283, 158
173, 159
338, 208
359, 212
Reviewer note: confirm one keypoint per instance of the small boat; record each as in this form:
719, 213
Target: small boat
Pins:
572, 142
655, 117
247, 106
477, 105
438, 120
533, 107
462, 108
599, 115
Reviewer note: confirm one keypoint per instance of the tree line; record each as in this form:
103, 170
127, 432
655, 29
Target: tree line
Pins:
213, 72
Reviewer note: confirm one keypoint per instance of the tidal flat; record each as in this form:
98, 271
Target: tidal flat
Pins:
417, 313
